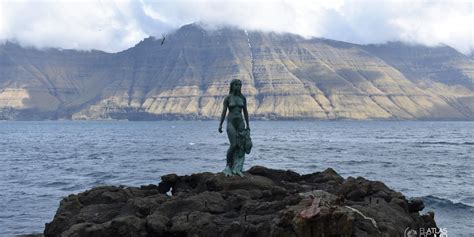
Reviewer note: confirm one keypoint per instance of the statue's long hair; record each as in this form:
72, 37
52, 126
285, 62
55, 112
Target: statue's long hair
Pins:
239, 93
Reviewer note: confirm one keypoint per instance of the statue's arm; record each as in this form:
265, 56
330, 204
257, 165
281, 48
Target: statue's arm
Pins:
246, 113
224, 112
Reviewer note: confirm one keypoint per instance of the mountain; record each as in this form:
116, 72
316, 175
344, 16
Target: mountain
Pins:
284, 76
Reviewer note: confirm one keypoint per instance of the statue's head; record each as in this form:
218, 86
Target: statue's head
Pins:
235, 87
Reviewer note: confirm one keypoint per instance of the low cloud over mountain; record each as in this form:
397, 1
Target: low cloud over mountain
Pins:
115, 26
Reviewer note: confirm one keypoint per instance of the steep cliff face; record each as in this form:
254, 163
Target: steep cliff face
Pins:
51, 83
442, 72
283, 75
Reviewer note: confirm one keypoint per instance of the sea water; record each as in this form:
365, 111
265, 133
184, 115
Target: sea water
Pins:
42, 162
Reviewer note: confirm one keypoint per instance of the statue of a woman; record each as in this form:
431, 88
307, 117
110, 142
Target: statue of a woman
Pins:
238, 132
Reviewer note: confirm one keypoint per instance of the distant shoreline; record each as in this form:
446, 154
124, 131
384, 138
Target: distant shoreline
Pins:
166, 118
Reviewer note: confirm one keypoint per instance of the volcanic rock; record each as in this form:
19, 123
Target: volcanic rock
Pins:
266, 202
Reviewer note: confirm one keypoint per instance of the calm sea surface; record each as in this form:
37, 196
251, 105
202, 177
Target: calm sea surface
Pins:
42, 162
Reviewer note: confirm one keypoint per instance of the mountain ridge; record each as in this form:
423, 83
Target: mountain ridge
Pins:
284, 77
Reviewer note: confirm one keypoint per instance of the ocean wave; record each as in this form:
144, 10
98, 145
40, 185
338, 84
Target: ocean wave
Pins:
468, 200
447, 143
442, 203
455, 216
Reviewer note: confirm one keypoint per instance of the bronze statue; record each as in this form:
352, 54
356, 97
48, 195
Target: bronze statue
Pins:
238, 132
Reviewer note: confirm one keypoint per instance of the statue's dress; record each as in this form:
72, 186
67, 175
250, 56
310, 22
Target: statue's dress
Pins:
235, 132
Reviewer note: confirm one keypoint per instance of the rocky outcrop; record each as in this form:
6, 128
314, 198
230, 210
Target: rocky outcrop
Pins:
265, 202
284, 77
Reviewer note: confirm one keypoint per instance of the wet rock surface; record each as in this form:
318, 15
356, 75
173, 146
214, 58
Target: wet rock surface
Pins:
265, 202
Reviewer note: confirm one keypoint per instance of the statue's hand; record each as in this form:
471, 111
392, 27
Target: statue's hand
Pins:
220, 129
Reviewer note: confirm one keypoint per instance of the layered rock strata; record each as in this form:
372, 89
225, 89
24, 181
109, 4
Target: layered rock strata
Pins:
284, 77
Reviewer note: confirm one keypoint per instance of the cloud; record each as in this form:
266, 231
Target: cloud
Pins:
109, 26
114, 26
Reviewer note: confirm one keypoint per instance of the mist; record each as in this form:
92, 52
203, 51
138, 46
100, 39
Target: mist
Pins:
115, 26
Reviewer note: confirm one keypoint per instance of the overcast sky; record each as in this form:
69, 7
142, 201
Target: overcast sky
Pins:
114, 26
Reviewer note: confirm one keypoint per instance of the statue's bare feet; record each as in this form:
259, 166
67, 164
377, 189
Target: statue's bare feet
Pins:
227, 172
239, 173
